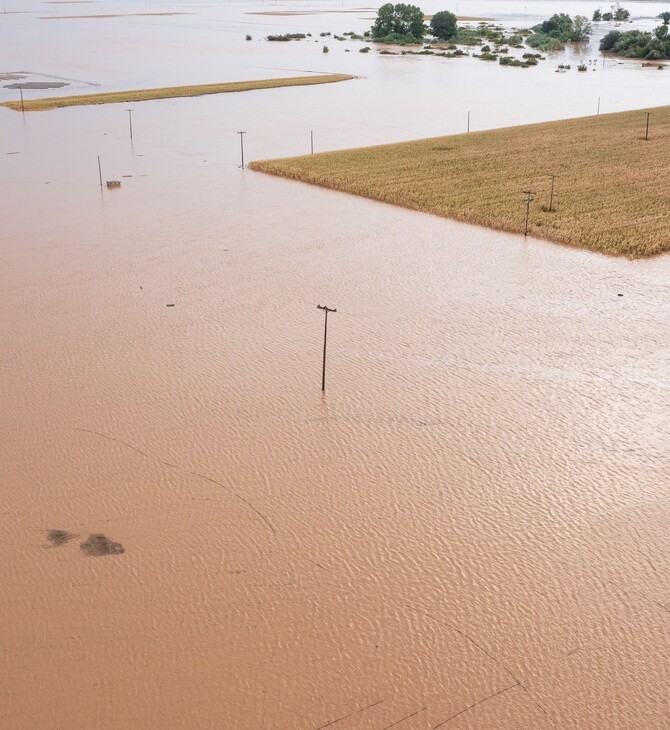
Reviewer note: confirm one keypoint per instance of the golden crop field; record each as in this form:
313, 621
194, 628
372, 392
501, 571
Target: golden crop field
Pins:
612, 188
116, 97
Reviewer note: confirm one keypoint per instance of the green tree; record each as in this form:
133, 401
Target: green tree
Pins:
581, 29
608, 41
558, 26
383, 25
405, 20
443, 25
665, 17
619, 13
597, 15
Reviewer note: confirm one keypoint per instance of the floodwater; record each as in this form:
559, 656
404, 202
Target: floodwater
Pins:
469, 530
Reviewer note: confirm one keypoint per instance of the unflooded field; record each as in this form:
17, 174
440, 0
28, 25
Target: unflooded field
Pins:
581, 192
468, 530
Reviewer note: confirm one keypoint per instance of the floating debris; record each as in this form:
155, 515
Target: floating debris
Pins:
98, 545
113, 183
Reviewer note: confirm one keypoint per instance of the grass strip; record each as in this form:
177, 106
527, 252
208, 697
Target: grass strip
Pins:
116, 97
611, 193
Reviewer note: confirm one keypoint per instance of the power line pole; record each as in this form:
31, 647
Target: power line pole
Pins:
468, 122
325, 336
551, 196
99, 171
130, 120
527, 200
646, 134
242, 146
598, 106
311, 141
21, 90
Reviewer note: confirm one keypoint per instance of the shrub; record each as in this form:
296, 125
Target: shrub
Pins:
364, 50
325, 49
247, 38
286, 37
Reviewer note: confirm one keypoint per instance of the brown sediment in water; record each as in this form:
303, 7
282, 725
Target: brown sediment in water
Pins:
468, 527
482, 177
170, 92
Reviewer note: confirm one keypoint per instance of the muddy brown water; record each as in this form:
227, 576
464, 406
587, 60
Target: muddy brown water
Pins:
469, 530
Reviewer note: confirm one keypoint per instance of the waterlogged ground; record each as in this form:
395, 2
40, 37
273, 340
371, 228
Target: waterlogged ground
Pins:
468, 531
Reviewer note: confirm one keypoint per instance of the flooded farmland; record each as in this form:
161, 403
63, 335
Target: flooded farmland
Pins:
468, 530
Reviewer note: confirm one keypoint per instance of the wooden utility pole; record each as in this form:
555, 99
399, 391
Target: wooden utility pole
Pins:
551, 196
468, 122
130, 120
242, 146
646, 134
21, 90
325, 337
311, 141
528, 200
99, 170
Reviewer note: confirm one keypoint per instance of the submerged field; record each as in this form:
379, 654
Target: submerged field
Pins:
611, 187
169, 92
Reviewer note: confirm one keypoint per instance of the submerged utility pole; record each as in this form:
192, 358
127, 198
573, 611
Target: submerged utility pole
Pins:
646, 134
527, 200
99, 171
21, 90
242, 146
325, 336
130, 120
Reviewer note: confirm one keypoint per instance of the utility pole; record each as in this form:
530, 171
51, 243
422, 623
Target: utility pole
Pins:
311, 141
325, 336
99, 171
551, 196
598, 106
527, 200
646, 134
130, 120
242, 146
468, 122
21, 90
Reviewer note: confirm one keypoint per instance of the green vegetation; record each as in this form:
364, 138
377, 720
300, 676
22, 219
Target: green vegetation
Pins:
286, 37
638, 44
604, 202
443, 25
617, 13
116, 97
558, 30
665, 17
399, 22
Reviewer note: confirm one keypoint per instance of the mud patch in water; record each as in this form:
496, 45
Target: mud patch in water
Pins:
98, 545
60, 537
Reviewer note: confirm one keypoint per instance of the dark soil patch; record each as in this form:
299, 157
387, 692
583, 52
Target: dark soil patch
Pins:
99, 544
